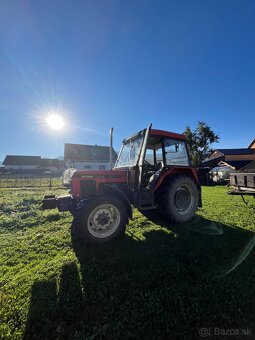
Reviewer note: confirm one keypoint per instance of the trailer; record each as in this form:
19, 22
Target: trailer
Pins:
242, 182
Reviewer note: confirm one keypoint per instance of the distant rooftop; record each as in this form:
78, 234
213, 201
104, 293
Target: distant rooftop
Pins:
244, 151
21, 160
80, 152
32, 160
252, 145
237, 164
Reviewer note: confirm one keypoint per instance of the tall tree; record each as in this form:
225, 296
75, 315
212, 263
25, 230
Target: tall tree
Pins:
199, 142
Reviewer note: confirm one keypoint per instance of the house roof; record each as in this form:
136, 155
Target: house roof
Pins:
235, 164
21, 160
212, 161
244, 151
249, 168
90, 153
252, 143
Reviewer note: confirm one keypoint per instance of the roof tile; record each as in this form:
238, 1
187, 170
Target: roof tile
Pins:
80, 152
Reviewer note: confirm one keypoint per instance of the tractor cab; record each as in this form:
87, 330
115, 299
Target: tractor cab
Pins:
148, 154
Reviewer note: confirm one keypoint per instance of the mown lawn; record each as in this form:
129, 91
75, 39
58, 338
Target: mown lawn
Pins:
159, 281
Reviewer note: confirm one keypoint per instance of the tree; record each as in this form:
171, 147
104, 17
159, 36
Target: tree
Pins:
199, 142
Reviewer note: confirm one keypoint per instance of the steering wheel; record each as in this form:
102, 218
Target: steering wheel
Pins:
147, 166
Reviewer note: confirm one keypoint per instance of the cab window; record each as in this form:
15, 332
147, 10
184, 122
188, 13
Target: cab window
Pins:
176, 152
149, 156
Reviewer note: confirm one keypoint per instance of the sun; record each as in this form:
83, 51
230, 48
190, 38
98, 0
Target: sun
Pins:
55, 121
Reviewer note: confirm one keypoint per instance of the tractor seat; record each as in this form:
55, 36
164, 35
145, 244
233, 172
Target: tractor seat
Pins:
159, 166
155, 177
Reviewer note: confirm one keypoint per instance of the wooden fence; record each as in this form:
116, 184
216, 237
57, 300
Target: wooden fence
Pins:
19, 182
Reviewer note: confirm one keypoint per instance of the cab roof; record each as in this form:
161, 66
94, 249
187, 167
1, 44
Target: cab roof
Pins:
168, 134
157, 133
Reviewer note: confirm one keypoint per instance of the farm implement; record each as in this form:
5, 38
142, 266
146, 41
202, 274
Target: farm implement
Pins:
243, 181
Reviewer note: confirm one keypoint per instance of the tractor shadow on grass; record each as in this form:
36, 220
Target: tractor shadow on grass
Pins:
208, 248
170, 282
166, 283
55, 307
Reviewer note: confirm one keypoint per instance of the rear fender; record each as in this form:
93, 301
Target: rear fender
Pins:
191, 172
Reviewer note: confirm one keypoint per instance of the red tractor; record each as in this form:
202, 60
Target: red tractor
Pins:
152, 171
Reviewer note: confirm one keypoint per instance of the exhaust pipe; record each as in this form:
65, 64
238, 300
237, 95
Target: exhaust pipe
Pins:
111, 133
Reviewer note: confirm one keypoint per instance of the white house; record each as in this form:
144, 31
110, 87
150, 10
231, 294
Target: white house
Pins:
88, 157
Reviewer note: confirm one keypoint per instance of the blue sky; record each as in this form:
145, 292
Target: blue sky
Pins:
124, 64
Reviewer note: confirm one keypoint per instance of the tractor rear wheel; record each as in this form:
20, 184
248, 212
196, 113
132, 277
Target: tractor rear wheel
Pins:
178, 198
101, 219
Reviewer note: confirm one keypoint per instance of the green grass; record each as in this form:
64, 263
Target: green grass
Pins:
159, 280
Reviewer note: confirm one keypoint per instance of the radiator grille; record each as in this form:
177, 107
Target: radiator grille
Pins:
88, 188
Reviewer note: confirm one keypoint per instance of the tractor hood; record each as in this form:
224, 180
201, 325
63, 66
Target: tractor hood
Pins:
85, 183
101, 174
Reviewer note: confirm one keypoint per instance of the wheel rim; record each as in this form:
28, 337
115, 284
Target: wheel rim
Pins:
184, 199
103, 221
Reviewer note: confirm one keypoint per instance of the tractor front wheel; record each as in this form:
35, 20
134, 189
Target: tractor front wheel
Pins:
101, 219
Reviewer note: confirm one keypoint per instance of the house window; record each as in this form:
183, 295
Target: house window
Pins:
87, 167
101, 167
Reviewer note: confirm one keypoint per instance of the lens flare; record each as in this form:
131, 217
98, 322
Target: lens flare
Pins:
55, 121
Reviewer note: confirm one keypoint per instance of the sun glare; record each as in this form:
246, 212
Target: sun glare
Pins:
55, 121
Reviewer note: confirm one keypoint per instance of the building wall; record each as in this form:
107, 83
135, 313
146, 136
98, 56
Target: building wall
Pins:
88, 165
21, 167
50, 168
240, 157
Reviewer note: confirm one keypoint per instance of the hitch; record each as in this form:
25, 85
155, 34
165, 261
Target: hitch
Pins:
63, 203
49, 202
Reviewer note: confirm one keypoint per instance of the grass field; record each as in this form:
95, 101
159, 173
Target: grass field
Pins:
159, 281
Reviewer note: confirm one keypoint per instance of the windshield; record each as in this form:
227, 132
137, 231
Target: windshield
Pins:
129, 153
